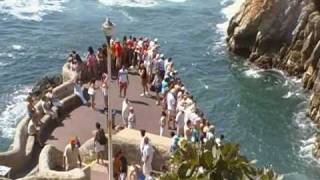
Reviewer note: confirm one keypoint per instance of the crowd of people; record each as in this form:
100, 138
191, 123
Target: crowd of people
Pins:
180, 117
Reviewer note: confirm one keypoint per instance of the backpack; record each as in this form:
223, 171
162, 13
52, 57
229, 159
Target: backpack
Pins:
101, 137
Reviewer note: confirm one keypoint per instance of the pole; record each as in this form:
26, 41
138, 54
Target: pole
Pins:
109, 117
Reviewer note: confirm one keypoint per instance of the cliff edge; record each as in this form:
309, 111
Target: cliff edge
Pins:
282, 34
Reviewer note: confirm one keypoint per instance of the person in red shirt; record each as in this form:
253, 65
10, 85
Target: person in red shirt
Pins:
118, 54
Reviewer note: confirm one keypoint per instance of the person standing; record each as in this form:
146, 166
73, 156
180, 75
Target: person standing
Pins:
131, 118
118, 50
92, 93
108, 29
92, 63
104, 89
174, 141
157, 86
144, 79
71, 156
143, 135
125, 111
171, 106
162, 123
180, 122
100, 142
123, 80
147, 156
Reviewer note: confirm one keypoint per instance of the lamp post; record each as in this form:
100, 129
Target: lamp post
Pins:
109, 119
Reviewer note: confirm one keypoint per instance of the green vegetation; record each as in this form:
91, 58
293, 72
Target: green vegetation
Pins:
208, 161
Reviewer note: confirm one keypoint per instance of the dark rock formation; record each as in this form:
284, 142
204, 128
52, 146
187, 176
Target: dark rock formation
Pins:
283, 34
43, 84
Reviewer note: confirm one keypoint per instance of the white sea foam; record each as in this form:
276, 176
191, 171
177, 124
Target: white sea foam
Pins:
177, 1
4, 64
129, 3
254, 73
229, 11
127, 15
288, 95
16, 47
14, 111
30, 9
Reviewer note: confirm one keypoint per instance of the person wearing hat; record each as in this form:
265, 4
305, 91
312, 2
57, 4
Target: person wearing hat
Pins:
71, 156
131, 118
108, 29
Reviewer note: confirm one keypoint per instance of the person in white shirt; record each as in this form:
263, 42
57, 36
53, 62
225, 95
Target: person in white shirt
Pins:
108, 29
77, 89
125, 111
92, 93
123, 80
210, 133
219, 141
171, 107
162, 123
104, 90
71, 156
147, 157
143, 135
131, 118
54, 99
180, 122
33, 131
47, 108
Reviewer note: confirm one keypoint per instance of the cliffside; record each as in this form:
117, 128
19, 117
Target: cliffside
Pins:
282, 34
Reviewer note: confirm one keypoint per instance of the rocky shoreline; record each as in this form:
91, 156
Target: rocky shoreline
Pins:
281, 34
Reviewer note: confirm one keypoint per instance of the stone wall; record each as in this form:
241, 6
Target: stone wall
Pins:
128, 140
23, 146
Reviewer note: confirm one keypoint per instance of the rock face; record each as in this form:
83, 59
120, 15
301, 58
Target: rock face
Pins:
43, 84
282, 34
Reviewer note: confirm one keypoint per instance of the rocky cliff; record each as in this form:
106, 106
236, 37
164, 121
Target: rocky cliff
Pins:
282, 34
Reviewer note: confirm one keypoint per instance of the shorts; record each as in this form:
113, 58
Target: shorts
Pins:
171, 113
123, 85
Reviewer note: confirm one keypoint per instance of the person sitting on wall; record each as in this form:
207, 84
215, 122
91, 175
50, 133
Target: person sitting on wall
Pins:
53, 98
71, 156
33, 131
47, 108
32, 112
77, 90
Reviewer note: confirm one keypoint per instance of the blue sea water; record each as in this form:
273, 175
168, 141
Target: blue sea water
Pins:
263, 111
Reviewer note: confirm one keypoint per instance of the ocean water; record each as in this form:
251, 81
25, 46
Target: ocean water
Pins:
261, 110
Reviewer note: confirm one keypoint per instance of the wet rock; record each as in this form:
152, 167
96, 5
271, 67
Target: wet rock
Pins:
283, 34
44, 83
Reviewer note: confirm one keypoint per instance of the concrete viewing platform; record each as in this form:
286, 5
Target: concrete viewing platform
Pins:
81, 121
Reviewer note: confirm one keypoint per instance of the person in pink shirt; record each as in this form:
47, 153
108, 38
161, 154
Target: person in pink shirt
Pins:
92, 63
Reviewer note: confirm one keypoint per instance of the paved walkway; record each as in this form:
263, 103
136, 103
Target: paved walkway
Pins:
81, 121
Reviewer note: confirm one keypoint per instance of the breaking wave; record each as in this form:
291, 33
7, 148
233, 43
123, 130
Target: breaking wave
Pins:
32, 10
